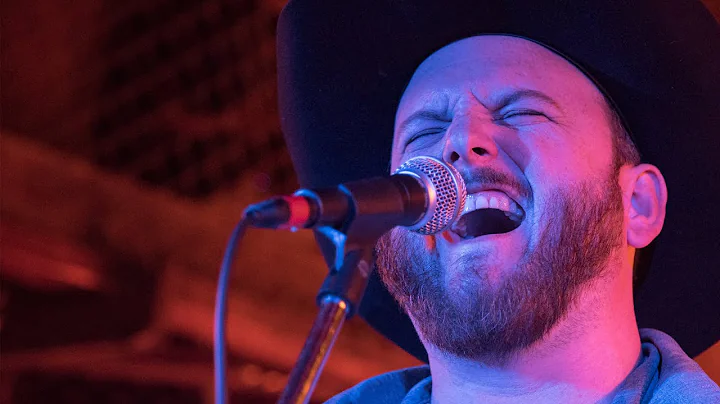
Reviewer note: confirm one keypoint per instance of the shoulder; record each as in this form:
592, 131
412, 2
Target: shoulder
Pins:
388, 388
680, 379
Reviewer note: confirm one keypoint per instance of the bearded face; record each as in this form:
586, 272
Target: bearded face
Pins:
460, 310
530, 135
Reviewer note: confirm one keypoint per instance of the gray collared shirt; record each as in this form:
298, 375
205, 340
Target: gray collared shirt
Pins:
664, 375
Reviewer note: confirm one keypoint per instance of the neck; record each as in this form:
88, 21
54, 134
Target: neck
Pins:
582, 359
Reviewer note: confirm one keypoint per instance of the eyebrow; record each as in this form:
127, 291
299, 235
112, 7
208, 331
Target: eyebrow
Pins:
518, 95
428, 114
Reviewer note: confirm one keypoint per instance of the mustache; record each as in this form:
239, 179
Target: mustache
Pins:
487, 176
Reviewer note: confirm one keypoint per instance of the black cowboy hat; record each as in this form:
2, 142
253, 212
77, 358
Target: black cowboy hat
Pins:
343, 66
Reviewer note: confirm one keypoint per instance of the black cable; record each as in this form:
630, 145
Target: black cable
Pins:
221, 301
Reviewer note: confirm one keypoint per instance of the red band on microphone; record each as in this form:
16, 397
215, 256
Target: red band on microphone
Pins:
299, 212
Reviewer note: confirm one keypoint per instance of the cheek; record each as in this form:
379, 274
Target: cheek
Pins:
542, 159
557, 162
517, 150
398, 157
395, 157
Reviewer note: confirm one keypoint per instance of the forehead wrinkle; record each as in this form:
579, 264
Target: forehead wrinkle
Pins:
522, 61
478, 98
490, 86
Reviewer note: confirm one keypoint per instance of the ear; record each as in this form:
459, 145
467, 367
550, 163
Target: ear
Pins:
646, 196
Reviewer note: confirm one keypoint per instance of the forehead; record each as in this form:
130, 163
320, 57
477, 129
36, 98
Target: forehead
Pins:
486, 67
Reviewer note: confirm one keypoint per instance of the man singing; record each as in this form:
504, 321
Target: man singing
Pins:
593, 124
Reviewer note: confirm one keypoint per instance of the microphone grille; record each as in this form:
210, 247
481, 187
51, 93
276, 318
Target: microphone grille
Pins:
445, 190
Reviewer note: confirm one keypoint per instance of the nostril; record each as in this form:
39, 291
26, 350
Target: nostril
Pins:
479, 151
454, 157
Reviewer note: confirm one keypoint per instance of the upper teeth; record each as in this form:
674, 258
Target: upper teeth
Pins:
491, 199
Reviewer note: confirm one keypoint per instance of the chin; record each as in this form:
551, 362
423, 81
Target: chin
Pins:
490, 257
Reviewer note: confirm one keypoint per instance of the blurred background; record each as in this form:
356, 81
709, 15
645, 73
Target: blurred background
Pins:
133, 135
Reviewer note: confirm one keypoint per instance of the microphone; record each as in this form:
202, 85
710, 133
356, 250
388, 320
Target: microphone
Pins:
424, 194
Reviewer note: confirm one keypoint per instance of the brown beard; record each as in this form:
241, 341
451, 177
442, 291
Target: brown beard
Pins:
475, 320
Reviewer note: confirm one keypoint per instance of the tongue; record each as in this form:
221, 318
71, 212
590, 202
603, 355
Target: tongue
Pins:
485, 221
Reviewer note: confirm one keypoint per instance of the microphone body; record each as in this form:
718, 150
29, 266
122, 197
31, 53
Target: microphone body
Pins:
424, 195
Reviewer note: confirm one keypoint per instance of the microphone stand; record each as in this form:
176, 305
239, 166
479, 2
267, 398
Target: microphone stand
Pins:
424, 194
338, 298
353, 240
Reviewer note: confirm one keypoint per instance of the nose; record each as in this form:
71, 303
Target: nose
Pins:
469, 142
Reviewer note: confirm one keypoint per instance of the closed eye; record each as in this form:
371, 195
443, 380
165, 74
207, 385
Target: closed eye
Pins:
424, 133
523, 117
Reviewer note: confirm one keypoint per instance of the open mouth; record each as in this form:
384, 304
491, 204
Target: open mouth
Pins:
488, 212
